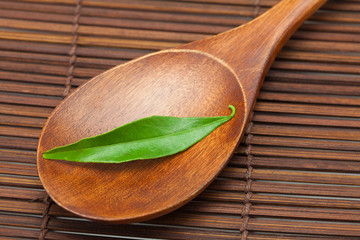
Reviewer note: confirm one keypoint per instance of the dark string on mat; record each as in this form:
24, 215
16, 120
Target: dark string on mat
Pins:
69, 76
72, 52
248, 194
257, 8
46, 217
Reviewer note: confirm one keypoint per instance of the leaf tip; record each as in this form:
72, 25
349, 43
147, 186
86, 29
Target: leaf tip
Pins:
45, 155
233, 110
48, 154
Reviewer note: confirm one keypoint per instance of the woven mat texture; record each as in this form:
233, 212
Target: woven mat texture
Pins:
296, 172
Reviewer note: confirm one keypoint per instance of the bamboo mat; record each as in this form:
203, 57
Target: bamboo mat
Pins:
296, 173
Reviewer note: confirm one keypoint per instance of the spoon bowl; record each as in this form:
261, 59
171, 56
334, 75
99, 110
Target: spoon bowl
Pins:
144, 87
199, 79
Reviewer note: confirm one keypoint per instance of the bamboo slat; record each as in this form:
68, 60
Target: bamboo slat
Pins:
305, 153
305, 120
309, 98
25, 110
16, 181
307, 131
334, 27
19, 132
326, 46
18, 143
22, 121
15, 168
295, 174
102, 31
30, 89
307, 213
277, 187
301, 164
312, 88
317, 67
319, 57
304, 201
305, 77
309, 109
29, 100
342, 229
22, 193
25, 233
17, 156
305, 143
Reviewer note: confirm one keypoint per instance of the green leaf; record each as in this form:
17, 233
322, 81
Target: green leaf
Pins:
146, 138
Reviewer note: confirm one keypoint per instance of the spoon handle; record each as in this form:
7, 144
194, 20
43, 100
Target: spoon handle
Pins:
261, 38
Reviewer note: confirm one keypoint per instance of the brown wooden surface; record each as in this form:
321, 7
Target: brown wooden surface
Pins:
296, 174
161, 84
199, 79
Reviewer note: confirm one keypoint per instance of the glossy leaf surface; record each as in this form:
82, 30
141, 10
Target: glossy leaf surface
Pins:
146, 138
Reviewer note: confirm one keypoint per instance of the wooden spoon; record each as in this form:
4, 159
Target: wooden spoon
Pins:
198, 79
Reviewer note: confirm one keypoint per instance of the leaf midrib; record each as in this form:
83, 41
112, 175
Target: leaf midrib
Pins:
153, 138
